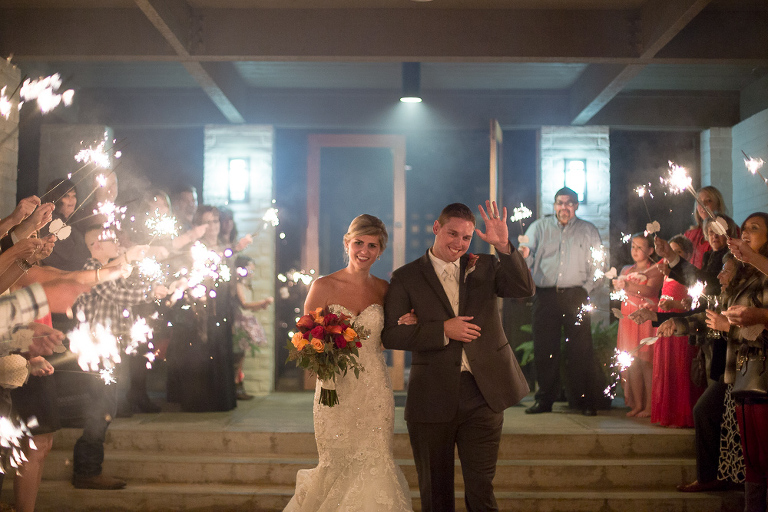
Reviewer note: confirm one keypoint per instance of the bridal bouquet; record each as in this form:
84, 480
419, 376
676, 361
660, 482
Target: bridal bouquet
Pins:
326, 344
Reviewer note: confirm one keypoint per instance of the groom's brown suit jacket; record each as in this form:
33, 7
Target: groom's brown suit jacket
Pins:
433, 385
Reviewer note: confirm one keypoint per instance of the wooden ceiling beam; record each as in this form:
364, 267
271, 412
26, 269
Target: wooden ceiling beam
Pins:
372, 35
175, 20
660, 21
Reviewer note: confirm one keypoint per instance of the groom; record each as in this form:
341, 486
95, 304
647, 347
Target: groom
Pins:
463, 372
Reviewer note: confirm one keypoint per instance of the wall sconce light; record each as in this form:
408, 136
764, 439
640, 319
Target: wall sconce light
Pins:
411, 82
239, 180
575, 177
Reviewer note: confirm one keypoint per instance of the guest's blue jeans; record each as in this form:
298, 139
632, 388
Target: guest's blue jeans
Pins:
89, 449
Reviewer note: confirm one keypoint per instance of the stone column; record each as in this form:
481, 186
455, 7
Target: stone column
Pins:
716, 165
254, 143
10, 77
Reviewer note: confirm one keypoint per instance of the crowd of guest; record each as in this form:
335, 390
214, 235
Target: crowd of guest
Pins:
706, 368
70, 269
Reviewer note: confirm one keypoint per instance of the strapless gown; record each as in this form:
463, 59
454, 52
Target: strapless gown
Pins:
356, 470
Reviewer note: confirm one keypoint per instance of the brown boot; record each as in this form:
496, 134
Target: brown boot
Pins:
102, 482
241, 394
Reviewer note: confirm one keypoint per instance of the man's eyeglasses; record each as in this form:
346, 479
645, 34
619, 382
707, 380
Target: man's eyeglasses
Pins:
566, 203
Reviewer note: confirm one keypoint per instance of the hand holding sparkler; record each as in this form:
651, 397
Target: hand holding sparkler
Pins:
642, 315
44, 339
243, 243
741, 250
35, 221
667, 328
45, 250
24, 209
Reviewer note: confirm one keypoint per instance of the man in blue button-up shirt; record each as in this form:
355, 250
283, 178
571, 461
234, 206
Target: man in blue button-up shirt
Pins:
558, 252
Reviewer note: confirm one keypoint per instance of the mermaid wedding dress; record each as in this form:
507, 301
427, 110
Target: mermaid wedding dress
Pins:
356, 470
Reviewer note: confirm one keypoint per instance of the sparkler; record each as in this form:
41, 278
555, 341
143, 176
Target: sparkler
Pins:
151, 269
44, 90
598, 261
162, 225
626, 238
12, 433
695, 292
754, 165
518, 215
641, 191
96, 347
678, 181
5, 104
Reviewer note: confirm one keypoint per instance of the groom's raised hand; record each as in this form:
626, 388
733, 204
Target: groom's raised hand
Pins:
496, 231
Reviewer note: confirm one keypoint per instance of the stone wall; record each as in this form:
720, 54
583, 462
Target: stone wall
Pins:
749, 193
10, 77
256, 144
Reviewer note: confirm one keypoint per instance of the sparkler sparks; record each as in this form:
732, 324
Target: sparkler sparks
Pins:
696, 292
162, 225
44, 90
598, 261
150, 269
5, 104
97, 155
96, 348
270, 217
520, 213
625, 239
584, 309
12, 433
620, 295
753, 165
679, 181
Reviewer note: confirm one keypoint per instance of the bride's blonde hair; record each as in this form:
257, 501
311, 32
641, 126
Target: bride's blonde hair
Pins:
365, 224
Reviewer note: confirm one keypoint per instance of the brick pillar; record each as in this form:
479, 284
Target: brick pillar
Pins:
716, 165
254, 143
749, 193
59, 143
10, 76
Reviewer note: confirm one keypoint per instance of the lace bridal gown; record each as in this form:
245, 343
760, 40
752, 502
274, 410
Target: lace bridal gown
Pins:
356, 470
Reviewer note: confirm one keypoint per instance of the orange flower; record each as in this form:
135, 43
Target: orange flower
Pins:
349, 334
305, 322
298, 341
318, 345
317, 315
334, 329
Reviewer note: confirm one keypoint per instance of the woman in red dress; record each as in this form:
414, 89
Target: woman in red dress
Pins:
673, 392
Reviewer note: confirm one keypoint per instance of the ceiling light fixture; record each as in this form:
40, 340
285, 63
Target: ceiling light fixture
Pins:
411, 82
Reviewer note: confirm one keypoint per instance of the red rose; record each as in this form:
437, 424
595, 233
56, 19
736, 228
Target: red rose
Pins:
305, 322
341, 342
318, 332
306, 335
330, 318
358, 344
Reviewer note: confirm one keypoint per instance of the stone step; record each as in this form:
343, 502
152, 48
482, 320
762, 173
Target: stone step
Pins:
224, 498
520, 474
661, 444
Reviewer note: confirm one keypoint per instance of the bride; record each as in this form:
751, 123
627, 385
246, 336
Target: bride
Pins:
356, 470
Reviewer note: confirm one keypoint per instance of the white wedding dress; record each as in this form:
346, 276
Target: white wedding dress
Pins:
356, 470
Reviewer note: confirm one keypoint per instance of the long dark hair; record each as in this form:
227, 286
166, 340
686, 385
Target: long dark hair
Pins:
746, 272
57, 189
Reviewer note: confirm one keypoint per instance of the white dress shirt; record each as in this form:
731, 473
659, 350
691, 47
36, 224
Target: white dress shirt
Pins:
448, 273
